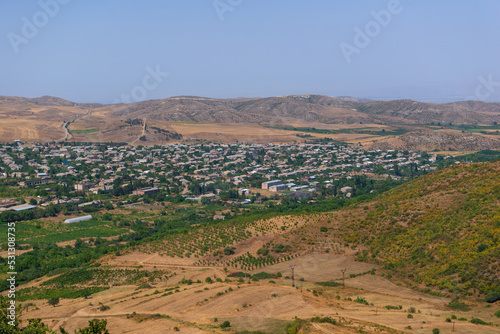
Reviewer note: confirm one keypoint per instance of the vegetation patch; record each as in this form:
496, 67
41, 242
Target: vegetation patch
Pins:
85, 130
61, 292
328, 320
329, 283
478, 321
460, 306
492, 297
295, 326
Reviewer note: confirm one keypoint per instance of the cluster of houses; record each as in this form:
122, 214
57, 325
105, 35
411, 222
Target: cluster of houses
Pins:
96, 168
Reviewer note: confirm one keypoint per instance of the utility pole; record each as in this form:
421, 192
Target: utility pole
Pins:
293, 277
343, 276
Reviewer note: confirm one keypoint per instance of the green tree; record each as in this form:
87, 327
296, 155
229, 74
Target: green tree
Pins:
95, 327
36, 326
79, 243
53, 301
5, 327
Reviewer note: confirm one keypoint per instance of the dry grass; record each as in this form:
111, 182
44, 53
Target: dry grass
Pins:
252, 306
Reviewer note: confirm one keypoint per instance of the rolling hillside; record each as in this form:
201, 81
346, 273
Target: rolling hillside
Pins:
311, 108
400, 124
463, 112
441, 230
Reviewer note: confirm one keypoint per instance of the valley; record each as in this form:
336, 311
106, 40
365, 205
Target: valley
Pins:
400, 243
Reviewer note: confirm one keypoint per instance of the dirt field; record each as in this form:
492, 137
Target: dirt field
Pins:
319, 267
31, 131
263, 305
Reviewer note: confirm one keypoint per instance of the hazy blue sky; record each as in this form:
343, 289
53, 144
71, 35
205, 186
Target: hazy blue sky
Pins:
104, 50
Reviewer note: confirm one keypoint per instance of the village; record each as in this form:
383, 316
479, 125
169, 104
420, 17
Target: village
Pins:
196, 219
199, 172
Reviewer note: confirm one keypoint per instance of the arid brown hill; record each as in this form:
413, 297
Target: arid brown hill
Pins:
442, 140
42, 101
49, 118
311, 108
408, 111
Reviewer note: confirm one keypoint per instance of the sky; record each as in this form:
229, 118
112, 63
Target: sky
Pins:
125, 51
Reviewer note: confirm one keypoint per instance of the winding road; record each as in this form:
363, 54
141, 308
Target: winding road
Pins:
65, 125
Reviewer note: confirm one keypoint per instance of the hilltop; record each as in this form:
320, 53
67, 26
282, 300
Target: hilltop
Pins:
42, 101
312, 108
398, 124
393, 124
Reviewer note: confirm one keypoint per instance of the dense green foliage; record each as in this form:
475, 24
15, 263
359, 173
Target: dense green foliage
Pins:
50, 259
493, 297
294, 326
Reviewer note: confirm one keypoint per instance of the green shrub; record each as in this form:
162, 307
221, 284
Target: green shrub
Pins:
294, 326
481, 248
324, 320
238, 274
493, 297
225, 324
459, 306
263, 251
263, 275
229, 250
53, 301
361, 300
103, 308
329, 283
478, 321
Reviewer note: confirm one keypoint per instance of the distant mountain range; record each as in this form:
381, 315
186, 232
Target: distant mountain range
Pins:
42, 101
317, 108
282, 112
313, 108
